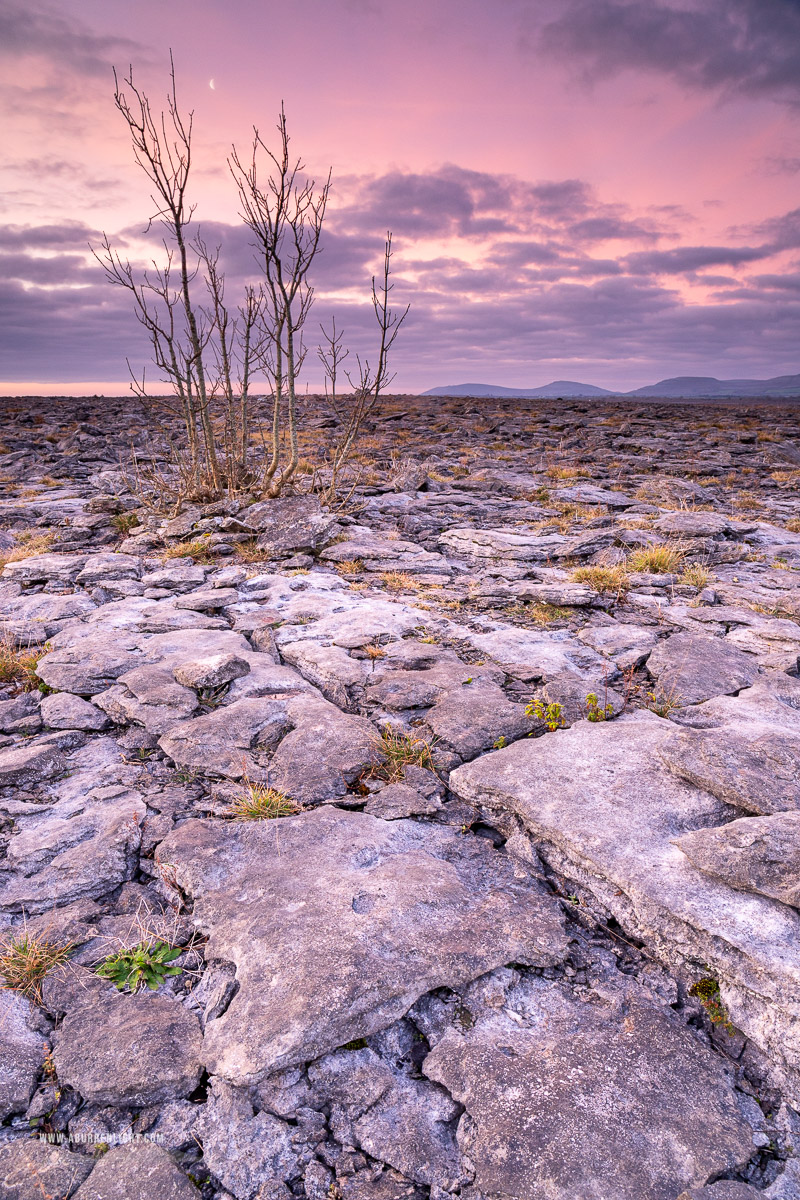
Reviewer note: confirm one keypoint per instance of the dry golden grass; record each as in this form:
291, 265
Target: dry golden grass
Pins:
401, 750
791, 476
556, 472
695, 576
793, 525
18, 665
28, 545
604, 580
198, 549
657, 560
350, 566
261, 803
399, 581
249, 552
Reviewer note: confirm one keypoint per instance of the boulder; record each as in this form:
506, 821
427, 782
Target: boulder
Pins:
472, 719
118, 1049
81, 848
65, 711
33, 1169
744, 749
22, 1050
211, 672
605, 815
286, 526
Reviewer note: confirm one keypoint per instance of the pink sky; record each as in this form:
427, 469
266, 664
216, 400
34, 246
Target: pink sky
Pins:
538, 162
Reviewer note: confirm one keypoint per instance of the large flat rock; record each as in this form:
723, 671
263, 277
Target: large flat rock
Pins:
337, 922
569, 1099
604, 812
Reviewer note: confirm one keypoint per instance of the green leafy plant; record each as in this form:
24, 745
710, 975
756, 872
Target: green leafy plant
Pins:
124, 522
145, 965
595, 711
500, 743
551, 714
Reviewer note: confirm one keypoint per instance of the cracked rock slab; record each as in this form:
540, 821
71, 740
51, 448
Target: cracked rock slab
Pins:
579, 1099
605, 814
139, 1171
31, 1170
690, 668
337, 922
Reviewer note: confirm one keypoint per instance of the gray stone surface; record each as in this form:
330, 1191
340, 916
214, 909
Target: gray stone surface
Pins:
744, 749
757, 854
690, 668
588, 1099
65, 711
22, 1049
604, 813
346, 921
138, 1171
472, 719
34, 1170
78, 848
118, 1049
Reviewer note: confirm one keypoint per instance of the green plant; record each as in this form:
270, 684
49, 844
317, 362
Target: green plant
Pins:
662, 703
707, 992
26, 958
125, 522
551, 714
261, 803
500, 743
147, 964
597, 712
401, 750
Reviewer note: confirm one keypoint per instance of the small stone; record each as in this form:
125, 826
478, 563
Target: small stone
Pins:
65, 711
211, 672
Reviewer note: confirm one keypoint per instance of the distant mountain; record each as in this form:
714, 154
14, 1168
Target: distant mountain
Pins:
550, 391
686, 387
706, 387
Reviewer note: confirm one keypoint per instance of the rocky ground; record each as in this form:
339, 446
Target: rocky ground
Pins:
526, 925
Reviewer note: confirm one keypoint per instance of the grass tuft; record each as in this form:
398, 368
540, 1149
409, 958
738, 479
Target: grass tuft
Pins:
261, 803
657, 560
197, 549
18, 665
604, 580
28, 545
401, 750
26, 958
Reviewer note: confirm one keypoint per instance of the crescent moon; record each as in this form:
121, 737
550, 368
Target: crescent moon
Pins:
211, 85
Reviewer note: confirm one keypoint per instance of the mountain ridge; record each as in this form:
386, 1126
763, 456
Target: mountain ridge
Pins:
690, 387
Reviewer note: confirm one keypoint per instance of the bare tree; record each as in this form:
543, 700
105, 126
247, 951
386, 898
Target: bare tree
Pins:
285, 215
369, 382
207, 351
